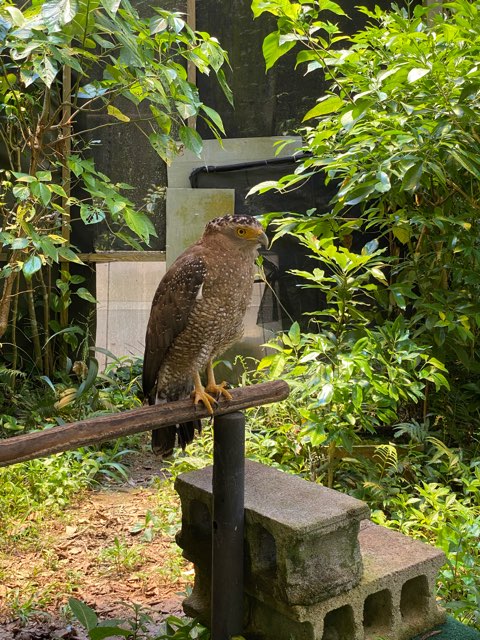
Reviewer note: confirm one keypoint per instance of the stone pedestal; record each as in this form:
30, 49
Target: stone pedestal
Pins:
315, 568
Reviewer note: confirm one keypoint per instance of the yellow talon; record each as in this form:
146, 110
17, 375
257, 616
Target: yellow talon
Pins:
199, 394
219, 389
213, 387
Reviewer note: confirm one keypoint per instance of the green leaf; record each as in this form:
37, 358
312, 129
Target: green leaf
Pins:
59, 190
91, 215
68, 254
48, 248
90, 379
357, 396
45, 176
329, 5
19, 243
85, 295
191, 139
326, 394
57, 13
46, 70
416, 73
21, 191
224, 86
116, 113
163, 120
330, 104
140, 224
402, 233
294, 334
31, 266
273, 50
383, 185
214, 117
111, 6
398, 297
411, 179
378, 275
41, 191
83, 613
17, 16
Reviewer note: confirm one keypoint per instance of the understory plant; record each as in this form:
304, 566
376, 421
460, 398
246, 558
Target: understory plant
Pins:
30, 490
348, 375
67, 70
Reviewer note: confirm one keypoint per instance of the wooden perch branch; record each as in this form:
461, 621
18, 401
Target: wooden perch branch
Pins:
95, 430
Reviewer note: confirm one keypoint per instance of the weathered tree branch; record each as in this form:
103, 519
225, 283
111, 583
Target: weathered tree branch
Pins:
95, 430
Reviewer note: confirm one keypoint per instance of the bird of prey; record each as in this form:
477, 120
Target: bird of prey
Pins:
197, 313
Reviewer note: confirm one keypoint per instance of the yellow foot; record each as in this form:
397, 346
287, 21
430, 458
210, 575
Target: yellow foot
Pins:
219, 389
201, 395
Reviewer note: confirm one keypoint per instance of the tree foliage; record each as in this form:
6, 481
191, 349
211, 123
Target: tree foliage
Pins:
396, 132
111, 57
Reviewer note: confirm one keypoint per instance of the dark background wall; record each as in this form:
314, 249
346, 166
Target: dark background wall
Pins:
266, 104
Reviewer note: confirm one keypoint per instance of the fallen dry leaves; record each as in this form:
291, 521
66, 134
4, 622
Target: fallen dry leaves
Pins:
67, 559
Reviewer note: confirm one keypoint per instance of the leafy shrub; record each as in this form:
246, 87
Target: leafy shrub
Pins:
396, 133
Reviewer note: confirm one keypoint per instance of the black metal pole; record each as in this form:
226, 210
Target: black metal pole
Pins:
227, 525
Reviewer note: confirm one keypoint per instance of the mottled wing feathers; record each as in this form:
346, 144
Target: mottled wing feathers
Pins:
171, 308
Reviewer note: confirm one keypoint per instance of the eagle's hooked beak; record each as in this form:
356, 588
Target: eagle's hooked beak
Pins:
262, 239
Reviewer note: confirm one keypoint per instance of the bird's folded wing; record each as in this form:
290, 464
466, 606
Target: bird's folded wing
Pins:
171, 308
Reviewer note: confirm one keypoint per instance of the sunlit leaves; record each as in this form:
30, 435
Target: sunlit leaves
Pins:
273, 50
327, 105
57, 13
416, 73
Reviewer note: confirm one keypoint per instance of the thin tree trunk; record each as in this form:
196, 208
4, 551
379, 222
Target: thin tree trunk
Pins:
6, 302
37, 349
47, 354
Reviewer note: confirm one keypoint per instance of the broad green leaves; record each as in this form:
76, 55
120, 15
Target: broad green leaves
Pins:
58, 13
327, 104
273, 49
118, 58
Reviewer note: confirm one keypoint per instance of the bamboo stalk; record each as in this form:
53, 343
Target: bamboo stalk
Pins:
47, 353
37, 349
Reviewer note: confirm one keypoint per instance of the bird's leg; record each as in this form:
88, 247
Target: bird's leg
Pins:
213, 387
200, 394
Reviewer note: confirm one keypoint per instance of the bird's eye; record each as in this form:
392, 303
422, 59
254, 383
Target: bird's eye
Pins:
241, 231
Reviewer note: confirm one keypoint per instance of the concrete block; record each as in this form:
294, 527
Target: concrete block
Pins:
395, 599
298, 547
301, 538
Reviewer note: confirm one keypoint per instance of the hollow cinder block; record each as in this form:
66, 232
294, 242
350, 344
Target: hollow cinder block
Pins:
301, 538
393, 598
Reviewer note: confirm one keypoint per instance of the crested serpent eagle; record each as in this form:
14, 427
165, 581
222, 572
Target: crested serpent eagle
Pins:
197, 313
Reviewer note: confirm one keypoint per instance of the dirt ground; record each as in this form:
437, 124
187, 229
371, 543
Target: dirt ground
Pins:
90, 553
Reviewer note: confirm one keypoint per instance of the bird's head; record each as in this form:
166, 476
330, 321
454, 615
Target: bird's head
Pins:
243, 231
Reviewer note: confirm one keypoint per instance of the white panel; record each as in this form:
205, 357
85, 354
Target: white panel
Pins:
125, 291
188, 211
